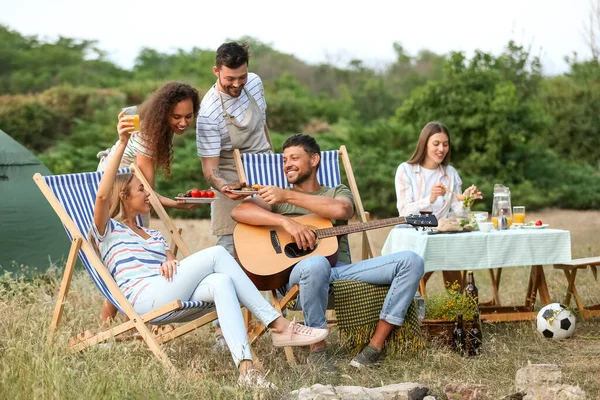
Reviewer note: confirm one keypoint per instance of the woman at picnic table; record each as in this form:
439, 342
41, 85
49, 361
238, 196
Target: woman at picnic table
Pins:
427, 183
168, 112
150, 276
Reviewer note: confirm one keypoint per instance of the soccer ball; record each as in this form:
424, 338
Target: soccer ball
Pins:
554, 321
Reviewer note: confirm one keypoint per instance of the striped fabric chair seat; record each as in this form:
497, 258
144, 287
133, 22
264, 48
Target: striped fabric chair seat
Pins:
77, 194
267, 169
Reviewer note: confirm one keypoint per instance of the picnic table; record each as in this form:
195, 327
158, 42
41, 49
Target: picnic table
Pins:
488, 251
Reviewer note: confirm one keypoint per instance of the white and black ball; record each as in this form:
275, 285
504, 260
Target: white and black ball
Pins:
555, 321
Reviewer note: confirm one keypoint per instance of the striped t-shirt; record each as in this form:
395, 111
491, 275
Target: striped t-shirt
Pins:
136, 144
212, 135
131, 259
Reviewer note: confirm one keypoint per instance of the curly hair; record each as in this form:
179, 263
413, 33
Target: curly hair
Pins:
155, 114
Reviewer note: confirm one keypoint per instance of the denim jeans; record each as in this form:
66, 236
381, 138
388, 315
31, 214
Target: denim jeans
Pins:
402, 271
212, 275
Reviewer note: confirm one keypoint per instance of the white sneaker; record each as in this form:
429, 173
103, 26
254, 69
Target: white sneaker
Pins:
220, 343
254, 379
298, 335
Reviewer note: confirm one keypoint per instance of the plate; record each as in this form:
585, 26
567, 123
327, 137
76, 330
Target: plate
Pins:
542, 226
243, 191
196, 200
436, 232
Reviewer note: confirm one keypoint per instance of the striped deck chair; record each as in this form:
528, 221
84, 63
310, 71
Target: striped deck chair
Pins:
267, 169
72, 197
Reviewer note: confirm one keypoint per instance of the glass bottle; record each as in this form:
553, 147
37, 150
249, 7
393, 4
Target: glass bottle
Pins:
475, 336
471, 289
420, 306
458, 336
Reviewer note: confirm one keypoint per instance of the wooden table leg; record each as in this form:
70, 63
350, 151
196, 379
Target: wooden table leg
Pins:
572, 289
570, 285
423, 283
531, 289
495, 278
543, 286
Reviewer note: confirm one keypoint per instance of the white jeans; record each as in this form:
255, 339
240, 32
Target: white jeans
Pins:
212, 275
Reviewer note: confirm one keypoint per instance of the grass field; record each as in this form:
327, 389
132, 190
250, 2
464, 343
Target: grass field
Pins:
127, 370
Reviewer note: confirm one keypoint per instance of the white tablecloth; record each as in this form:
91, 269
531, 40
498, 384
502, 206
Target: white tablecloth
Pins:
480, 250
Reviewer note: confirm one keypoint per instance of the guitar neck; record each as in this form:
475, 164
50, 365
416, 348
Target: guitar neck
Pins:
363, 226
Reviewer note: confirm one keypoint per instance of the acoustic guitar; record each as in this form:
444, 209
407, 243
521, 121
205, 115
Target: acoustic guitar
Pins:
268, 253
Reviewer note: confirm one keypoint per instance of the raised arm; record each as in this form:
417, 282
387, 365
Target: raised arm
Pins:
102, 206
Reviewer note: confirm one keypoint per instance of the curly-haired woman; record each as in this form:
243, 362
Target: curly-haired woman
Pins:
168, 112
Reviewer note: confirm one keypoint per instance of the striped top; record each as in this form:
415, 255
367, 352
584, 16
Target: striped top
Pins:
212, 135
412, 195
131, 259
135, 145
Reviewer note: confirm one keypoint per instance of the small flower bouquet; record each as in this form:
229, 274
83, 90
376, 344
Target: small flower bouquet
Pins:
446, 305
441, 313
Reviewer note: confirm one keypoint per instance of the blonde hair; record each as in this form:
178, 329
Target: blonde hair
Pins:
116, 205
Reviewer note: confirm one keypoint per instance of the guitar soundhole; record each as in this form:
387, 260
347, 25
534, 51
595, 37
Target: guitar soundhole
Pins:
292, 250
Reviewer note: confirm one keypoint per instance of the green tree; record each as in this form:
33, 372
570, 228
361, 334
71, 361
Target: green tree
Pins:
30, 65
572, 102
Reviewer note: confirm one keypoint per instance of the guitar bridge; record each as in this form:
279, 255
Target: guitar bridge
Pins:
275, 242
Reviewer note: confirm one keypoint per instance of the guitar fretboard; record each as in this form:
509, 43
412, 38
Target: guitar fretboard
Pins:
363, 226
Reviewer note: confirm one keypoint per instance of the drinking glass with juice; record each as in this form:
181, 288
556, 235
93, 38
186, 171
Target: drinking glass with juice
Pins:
519, 214
135, 118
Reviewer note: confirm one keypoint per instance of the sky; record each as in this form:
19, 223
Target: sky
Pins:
314, 31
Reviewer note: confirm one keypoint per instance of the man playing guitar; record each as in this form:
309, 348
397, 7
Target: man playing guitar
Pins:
276, 207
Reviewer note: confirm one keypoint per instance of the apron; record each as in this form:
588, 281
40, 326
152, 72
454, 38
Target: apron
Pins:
248, 137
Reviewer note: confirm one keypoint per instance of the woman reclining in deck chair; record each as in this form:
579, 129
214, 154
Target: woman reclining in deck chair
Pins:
150, 276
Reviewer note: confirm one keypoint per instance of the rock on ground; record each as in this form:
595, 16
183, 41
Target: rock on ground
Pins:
397, 391
543, 381
537, 375
466, 391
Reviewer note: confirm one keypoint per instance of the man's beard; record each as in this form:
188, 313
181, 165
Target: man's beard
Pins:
302, 178
229, 89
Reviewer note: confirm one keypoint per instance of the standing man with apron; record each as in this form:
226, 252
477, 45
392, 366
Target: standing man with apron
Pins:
232, 116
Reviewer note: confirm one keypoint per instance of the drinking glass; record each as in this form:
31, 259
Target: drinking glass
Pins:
426, 211
135, 118
481, 216
519, 215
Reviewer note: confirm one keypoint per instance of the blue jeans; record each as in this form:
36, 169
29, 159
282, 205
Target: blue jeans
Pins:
212, 275
402, 271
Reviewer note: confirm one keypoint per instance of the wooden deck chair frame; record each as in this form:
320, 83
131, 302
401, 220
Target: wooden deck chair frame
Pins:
368, 250
136, 321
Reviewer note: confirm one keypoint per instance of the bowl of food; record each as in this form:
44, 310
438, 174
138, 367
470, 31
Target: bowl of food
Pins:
485, 226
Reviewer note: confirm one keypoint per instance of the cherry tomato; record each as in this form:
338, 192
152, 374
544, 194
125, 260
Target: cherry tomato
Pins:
538, 223
210, 193
203, 194
195, 193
